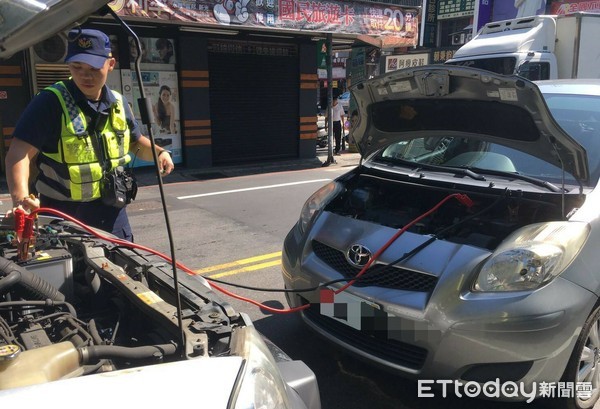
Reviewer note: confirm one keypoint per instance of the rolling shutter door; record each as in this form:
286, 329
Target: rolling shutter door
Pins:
254, 93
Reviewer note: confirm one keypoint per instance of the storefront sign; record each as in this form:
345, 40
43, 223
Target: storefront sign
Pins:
252, 48
440, 55
322, 54
358, 68
303, 15
430, 24
397, 62
566, 7
455, 8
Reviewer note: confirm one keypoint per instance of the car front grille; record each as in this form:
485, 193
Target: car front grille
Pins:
380, 275
374, 342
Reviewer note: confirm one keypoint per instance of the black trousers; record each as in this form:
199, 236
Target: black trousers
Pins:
337, 135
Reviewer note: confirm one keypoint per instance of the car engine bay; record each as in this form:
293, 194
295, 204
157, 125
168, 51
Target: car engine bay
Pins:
377, 198
82, 305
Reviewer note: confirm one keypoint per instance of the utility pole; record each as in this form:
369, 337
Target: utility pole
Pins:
330, 158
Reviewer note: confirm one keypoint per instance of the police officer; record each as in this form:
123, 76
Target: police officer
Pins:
78, 129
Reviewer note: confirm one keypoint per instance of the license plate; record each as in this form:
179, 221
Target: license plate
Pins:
349, 309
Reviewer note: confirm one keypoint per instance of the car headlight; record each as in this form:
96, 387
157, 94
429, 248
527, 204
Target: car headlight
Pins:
261, 385
316, 202
532, 256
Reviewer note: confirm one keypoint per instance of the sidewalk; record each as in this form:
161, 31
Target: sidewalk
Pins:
147, 176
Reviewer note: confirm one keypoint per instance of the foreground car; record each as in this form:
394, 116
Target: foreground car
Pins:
86, 320
85, 316
464, 247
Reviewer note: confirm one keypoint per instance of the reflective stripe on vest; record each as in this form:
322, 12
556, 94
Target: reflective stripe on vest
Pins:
76, 156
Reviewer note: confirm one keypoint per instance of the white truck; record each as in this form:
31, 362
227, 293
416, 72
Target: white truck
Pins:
537, 47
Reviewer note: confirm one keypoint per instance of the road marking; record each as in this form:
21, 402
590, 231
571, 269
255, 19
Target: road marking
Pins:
246, 269
240, 263
224, 192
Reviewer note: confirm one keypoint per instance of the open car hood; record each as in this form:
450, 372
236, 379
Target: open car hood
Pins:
508, 110
24, 23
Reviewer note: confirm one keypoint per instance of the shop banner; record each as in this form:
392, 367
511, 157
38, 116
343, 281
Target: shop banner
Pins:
346, 17
566, 7
455, 8
398, 62
162, 90
358, 66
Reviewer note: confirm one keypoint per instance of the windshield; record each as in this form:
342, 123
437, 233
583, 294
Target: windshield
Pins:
579, 116
500, 65
465, 152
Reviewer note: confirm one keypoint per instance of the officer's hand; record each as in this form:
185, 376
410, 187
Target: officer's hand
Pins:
165, 163
28, 204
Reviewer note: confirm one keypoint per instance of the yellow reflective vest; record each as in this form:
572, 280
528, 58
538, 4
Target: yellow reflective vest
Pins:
75, 171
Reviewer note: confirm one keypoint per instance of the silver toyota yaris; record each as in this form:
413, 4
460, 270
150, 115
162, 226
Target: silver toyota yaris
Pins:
464, 247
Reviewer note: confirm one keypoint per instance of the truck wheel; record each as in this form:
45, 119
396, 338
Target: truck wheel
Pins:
584, 365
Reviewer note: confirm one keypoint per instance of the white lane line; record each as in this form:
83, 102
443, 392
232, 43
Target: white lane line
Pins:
224, 192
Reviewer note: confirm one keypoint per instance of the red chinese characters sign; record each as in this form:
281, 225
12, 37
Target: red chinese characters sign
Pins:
299, 15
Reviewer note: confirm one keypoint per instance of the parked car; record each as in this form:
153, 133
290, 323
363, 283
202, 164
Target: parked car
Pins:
464, 247
85, 319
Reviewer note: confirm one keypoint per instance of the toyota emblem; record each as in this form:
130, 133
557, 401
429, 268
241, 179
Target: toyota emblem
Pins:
358, 255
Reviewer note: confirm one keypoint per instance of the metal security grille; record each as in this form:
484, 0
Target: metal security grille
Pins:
254, 97
48, 74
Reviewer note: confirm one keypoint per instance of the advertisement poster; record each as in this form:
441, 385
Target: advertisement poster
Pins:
561, 7
157, 53
161, 89
325, 15
506, 10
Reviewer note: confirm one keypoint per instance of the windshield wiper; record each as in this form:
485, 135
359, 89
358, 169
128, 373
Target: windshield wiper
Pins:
520, 176
463, 171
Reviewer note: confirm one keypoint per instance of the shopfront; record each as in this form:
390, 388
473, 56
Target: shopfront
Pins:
226, 86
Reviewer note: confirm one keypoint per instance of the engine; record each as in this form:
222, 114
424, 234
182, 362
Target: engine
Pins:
494, 214
80, 305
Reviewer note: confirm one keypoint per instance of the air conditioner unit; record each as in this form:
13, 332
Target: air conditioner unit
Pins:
51, 51
458, 38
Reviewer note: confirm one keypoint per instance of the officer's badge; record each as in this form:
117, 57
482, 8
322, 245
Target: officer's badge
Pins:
84, 42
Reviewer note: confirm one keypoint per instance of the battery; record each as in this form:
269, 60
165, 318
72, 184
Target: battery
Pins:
56, 267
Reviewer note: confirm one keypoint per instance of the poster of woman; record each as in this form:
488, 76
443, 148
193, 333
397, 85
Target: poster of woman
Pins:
160, 88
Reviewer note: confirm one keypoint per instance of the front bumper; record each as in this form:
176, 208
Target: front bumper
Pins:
450, 332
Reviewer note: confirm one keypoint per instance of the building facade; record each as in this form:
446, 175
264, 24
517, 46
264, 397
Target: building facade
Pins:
242, 76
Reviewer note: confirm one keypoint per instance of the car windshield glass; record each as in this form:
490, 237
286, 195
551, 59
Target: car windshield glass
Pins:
579, 116
500, 65
471, 153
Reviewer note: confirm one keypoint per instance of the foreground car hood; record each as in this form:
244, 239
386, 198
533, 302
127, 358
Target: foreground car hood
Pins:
24, 23
211, 380
441, 100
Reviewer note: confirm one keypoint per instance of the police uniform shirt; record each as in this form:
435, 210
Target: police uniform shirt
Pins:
40, 124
